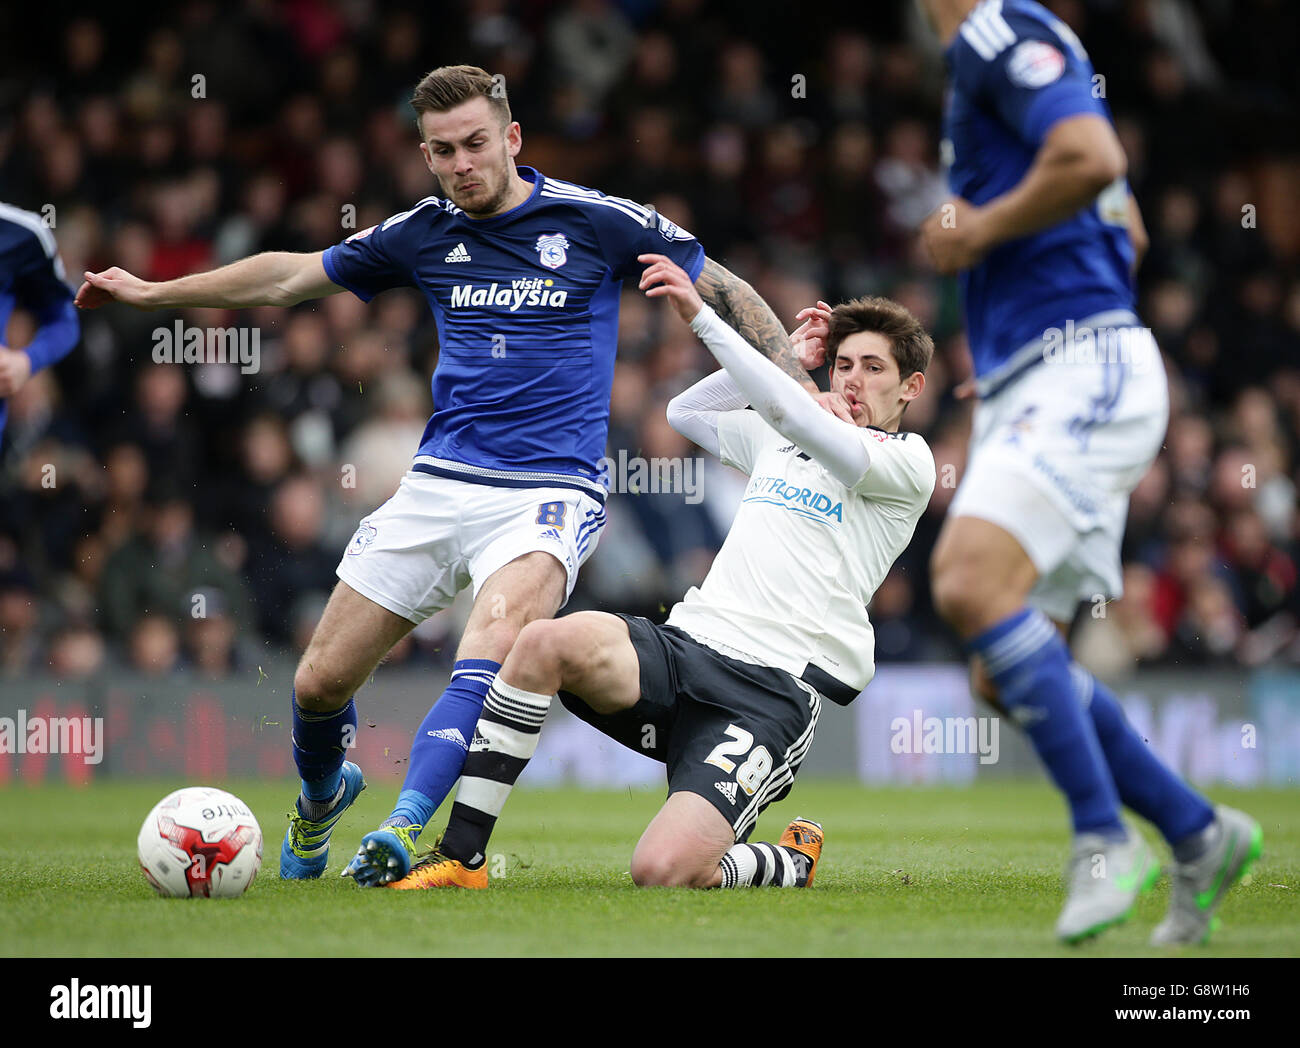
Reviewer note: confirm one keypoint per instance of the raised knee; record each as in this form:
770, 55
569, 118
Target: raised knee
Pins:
317, 691
536, 638
957, 594
542, 643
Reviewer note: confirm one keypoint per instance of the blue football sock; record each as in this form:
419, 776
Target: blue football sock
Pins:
438, 752
1144, 783
320, 742
1027, 659
411, 809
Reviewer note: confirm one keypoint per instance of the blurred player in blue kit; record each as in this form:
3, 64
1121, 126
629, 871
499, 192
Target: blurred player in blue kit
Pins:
31, 278
1072, 410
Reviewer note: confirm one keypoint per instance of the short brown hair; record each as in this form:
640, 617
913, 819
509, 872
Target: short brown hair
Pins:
911, 346
449, 86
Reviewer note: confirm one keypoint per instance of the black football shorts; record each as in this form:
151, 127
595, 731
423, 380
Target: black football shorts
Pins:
730, 731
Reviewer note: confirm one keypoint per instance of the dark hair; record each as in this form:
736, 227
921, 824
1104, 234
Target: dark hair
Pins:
449, 86
911, 346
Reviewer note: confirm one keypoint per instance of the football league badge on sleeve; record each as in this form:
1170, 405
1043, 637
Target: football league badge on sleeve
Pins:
1034, 64
552, 248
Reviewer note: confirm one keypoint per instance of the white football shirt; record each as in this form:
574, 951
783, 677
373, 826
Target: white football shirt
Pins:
805, 554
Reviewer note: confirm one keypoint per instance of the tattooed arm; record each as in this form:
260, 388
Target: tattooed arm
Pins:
743, 310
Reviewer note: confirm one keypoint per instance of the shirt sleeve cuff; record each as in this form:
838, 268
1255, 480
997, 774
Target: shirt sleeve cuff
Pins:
697, 265
332, 271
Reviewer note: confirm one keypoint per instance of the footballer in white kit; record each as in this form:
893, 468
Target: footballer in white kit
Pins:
806, 552
728, 691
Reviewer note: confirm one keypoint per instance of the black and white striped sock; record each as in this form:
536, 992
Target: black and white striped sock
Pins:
505, 740
757, 865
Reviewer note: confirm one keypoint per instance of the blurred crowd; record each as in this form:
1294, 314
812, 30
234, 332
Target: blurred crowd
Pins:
165, 516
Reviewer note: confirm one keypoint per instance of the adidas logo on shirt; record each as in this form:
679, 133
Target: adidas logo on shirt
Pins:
727, 789
458, 254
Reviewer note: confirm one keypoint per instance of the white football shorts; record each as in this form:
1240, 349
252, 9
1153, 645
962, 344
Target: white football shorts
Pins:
436, 536
1054, 456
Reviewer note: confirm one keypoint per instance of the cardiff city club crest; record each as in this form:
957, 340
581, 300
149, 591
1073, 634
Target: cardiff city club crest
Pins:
551, 247
365, 535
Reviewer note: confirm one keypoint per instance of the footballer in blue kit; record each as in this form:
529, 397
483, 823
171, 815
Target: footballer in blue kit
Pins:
522, 274
1072, 410
31, 278
526, 305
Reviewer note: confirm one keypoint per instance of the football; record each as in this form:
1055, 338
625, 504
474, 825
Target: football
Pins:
200, 842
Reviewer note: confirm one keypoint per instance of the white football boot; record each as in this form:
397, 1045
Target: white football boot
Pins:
1200, 885
1105, 877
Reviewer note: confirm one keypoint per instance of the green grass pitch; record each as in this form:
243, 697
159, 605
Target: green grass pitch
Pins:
906, 872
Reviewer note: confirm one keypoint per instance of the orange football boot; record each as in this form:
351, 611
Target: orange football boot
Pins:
805, 837
438, 871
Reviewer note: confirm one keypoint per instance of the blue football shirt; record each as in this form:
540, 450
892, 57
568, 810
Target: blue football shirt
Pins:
526, 305
1015, 71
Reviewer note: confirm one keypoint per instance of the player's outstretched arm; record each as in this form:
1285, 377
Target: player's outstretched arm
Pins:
274, 278
776, 396
694, 412
745, 311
